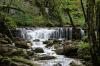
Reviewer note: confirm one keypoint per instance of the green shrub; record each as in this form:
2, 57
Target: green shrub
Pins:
84, 51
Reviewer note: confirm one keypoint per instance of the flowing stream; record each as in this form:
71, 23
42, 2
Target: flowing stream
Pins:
38, 35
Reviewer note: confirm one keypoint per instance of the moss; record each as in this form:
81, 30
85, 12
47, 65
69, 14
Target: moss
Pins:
15, 61
20, 52
83, 51
52, 42
74, 64
70, 51
23, 44
22, 60
39, 50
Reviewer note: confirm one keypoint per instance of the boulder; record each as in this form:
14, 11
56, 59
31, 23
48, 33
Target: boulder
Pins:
75, 64
46, 58
58, 64
23, 44
6, 49
39, 50
4, 39
59, 51
37, 40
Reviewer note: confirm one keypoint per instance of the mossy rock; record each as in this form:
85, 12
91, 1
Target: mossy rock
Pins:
23, 44
84, 51
74, 64
22, 60
59, 51
6, 49
70, 50
39, 50
57, 41
4, 39
20, 52
46, 58
7, 61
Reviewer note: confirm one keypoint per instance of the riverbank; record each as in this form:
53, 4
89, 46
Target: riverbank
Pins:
15, 54
78, 49
20, 54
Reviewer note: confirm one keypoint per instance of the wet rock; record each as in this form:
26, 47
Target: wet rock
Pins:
58, 64
57, 41
20, 52
37, 40
70, 50
9, 62
6, 49
4, 39
75, 64
59, 51
23, 44
46, 58
39, 50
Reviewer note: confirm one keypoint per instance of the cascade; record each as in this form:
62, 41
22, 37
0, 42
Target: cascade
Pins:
46, 33
38, 35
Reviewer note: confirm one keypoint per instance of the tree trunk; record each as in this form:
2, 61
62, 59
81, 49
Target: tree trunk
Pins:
71, 21
91, 30
98, 23
83, 10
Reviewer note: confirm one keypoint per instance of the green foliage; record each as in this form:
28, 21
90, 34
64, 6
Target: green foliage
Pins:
84, 45
23, 20
8, 21
42, 12
84, 51
76, 11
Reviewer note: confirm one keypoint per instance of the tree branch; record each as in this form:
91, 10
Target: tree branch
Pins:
5, 7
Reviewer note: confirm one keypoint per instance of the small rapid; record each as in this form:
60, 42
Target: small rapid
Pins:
38, 35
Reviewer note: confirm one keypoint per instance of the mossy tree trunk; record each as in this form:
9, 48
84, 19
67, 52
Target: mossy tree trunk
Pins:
91, 31
98, 23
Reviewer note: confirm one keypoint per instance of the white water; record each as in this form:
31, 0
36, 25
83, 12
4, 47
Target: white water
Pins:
38, 35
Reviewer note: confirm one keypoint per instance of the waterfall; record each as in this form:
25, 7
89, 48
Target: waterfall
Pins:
46, 33
38, 35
